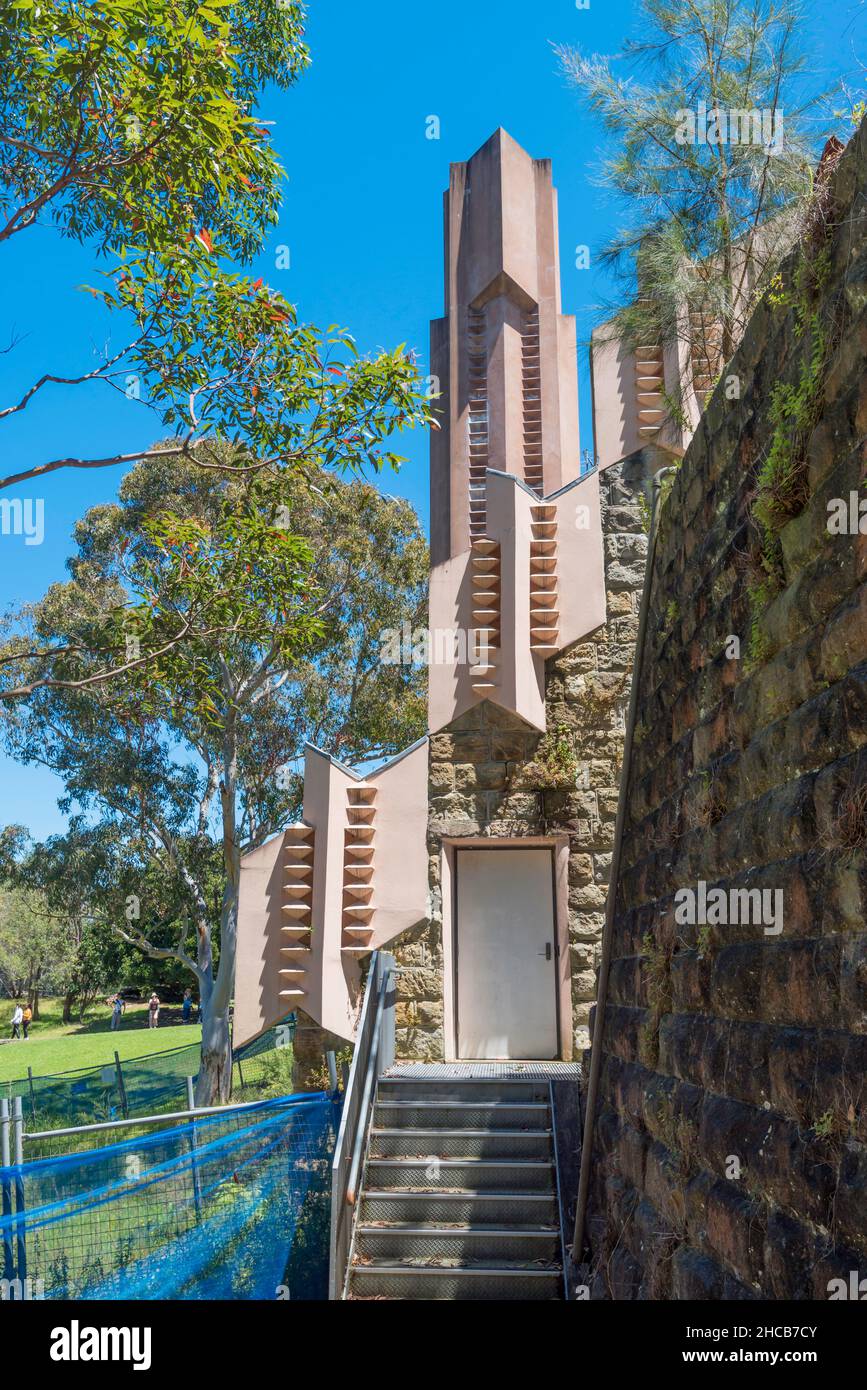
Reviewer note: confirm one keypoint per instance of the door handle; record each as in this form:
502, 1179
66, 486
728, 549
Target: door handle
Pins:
547, 951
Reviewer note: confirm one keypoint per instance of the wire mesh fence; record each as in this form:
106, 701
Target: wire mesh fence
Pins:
150, 1084
233, 1205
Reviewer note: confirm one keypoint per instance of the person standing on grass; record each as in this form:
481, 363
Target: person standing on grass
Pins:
153, 1011
17, 1020
187, 1006
117, 1008
25, 1020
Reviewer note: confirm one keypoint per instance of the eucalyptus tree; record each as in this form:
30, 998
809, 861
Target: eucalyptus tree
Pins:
191, 758
134, 128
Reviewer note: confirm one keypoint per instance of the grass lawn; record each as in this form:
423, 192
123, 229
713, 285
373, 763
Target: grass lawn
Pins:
56, 1046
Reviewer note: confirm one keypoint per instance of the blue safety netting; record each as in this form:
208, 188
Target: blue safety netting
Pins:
233, 1206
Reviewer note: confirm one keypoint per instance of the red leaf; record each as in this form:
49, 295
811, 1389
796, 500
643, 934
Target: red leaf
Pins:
336, 371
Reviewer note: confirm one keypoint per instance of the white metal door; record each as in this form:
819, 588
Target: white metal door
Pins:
506, 954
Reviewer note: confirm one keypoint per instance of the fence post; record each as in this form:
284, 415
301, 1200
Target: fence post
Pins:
332, 1071
386, 1056
120, 1086
194, 1144
8, 1262
20, 1220
32, 1095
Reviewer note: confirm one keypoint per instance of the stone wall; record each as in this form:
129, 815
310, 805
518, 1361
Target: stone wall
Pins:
731, 1143
491, 774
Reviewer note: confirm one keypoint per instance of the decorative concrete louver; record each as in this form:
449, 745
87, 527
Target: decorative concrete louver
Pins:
650, 381
298, 852
486, 580
705, 353
358, 869
544, 614
477, 419
531, 384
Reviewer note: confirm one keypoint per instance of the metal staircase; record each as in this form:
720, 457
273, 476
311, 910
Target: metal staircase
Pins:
459, 1196
444, 1184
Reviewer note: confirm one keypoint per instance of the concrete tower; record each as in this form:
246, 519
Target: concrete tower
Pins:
516, 539
458, 839
503, 354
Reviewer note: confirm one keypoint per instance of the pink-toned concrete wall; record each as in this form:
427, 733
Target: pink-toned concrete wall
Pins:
258, 960
449, 606
332, 997
580, 560
615, 400
521, 686
401, 861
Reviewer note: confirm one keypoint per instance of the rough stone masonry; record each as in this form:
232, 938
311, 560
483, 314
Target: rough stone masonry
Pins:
731, 1144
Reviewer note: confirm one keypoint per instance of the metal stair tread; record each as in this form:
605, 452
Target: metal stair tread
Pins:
518, 1270
479, 1194
432, 1228
466, 1104
431, 1133
465, 1162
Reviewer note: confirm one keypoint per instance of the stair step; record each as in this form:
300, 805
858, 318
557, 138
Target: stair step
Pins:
458, 1173
459, 1114
425, 1142
454, 1284
396, 1205
463, 1245
482, 1089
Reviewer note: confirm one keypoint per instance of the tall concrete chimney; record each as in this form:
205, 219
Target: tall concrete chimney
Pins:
504, 355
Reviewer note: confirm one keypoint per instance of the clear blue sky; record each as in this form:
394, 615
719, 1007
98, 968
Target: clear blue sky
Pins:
362, 216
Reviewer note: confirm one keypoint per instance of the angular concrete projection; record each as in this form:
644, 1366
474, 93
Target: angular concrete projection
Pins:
314, 900
515, 575
539, 573
504, 355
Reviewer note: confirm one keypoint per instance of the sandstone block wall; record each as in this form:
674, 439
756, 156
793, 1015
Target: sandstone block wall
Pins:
731, 1144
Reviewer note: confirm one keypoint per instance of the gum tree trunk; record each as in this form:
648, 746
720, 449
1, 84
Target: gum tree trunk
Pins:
215, 1071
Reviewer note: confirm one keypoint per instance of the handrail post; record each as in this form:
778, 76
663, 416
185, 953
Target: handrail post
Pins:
20, 1220
8, 1259
194, 1144
121, 1087
373, 1045
331, 1060
371, 1075
388, 1023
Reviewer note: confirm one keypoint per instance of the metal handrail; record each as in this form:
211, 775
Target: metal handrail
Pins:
370, 1076
195, 1113
373, 1054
